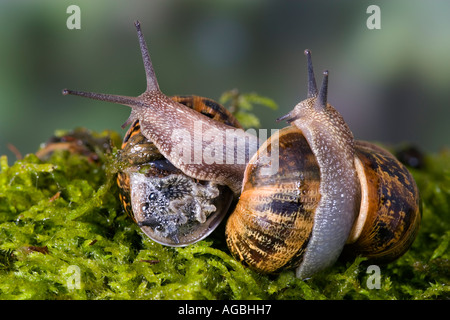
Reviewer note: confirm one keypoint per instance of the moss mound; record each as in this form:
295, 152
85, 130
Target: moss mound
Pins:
63, 235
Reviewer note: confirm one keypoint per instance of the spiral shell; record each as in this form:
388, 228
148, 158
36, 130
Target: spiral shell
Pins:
273, 220
390, 213
169, 206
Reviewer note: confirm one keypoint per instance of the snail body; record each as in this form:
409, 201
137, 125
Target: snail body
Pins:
166, 123
330, 193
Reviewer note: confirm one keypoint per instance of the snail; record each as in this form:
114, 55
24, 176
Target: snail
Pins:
172, 200
332, 193
326, 194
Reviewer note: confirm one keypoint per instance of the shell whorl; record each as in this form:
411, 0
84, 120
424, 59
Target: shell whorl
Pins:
271, 225
390, 215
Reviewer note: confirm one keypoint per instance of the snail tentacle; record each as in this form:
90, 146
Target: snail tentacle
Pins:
152, 82
312, 86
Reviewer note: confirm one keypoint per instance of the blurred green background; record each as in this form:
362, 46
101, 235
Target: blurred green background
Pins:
391, 85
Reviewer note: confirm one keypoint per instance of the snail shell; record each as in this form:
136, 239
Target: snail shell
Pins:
170, 207
390, 214
273, 220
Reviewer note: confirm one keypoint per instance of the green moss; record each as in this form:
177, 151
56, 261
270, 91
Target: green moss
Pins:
63, 236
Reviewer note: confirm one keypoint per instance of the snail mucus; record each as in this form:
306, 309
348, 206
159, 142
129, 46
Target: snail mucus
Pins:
329, 194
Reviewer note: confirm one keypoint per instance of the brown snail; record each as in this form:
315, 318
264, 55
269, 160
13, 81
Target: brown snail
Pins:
177, 202
328, 190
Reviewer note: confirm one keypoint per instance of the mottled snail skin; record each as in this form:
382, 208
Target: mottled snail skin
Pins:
160, 117
332, 144
329, 191
147, 168
139, 149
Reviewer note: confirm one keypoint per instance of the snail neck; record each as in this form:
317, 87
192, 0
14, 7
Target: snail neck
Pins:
201, 147
332, 143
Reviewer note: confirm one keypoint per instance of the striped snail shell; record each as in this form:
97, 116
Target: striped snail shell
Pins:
329, 191
170, 207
